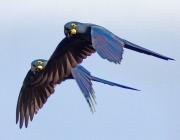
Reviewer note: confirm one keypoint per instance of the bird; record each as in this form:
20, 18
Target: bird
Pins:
81, 40
32, 97
108, 45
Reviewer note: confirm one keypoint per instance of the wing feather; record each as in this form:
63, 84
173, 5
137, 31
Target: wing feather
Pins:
38, 87
107, 45
27, 117
21, 116
68, 68
72, 60
37, 96
31, 108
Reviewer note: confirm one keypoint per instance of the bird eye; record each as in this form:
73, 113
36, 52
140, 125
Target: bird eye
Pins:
73, 25
40, 62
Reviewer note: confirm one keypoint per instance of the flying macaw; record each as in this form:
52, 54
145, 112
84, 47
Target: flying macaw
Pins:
81, 41
105, 43
33, 96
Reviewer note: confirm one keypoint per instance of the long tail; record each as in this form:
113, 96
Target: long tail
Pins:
137, 48
111, 83
84, 78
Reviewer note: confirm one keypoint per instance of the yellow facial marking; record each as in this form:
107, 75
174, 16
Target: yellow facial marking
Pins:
73, 31
73, 25
40, 62
40, 67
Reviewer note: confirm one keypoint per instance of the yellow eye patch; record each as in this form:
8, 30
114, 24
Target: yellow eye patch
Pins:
73, 25
40, 62
73, 31
40, 67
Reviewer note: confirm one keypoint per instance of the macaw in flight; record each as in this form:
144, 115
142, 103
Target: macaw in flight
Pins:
81, 41
33, 96
105, 43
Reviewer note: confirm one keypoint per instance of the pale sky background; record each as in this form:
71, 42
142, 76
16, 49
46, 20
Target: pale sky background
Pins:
32, 29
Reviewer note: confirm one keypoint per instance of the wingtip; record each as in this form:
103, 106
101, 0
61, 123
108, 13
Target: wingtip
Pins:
26, 124
21, 125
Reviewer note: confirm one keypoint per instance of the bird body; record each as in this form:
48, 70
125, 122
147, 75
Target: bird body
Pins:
33, 97
108, 45
81, 41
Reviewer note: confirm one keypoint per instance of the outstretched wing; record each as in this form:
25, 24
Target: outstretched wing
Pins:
31, 99
37, 88
68, 54
107, 45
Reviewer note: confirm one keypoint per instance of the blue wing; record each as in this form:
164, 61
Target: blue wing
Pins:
84, 78
107, 45
110, 47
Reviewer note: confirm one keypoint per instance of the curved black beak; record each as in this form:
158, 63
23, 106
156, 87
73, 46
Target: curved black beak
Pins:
67, 33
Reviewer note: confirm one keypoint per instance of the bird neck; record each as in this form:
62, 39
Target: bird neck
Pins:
87, 35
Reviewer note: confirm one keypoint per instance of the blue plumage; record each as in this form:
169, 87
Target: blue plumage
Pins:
33, 95
84, 78
108, 45
81, 41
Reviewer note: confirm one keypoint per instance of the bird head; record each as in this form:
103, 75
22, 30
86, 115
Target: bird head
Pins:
74, 28
38, 65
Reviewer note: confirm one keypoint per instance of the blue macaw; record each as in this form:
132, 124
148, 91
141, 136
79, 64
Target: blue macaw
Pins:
32, 97
81, 41
105, 43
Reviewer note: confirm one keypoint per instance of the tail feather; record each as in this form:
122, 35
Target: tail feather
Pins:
111, 83
137, 48
84, 78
